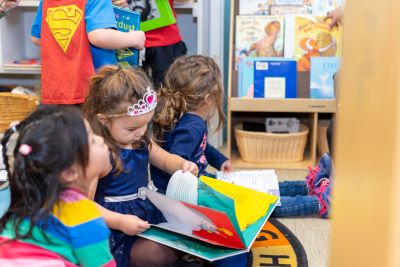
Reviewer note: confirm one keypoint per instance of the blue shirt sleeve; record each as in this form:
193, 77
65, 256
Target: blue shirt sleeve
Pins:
99, 14
214, 157
37, 23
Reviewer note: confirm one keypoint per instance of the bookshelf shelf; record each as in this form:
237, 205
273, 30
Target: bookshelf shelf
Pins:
29, 3
282, 105
238, 163
20, 71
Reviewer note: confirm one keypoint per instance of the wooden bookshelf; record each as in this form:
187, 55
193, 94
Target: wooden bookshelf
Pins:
308, 110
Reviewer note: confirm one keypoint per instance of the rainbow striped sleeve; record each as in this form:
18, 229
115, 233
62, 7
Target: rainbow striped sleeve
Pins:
87, 230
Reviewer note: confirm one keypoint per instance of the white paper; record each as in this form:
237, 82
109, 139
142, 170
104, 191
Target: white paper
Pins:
183, 186
274, 87
265, 181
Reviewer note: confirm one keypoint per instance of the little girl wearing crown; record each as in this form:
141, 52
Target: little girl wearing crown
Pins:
120, 105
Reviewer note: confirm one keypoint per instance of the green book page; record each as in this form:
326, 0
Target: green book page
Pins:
247, 209
210, 198
189, 245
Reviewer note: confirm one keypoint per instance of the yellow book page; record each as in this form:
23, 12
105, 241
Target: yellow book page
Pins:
250, 205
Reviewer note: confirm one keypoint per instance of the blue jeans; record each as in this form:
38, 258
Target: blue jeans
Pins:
5, 198
295, 200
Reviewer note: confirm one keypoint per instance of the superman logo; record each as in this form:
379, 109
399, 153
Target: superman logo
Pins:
63, 22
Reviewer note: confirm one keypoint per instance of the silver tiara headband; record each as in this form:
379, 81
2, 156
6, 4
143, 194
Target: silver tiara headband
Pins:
143, 106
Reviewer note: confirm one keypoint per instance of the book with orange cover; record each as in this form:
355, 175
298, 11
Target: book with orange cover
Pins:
310, 36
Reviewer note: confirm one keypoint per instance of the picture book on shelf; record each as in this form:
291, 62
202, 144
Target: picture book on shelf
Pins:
154, 13
282, 10
310, 36
223, 221
322, 7
254, 7
321, 77
292, 2
127, 20
275, 78
258, 36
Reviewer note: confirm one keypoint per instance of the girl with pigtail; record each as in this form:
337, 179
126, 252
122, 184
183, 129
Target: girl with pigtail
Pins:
50, 221
192, 94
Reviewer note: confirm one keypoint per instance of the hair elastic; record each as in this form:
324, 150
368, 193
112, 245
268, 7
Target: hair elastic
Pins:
14, 125
25, 149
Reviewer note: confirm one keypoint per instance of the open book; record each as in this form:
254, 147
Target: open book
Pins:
224, 221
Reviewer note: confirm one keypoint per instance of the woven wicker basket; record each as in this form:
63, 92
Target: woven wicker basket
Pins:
270, 147
15, 107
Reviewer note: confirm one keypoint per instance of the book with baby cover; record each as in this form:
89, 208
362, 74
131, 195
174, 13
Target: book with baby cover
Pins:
209, 218
310, 36
127, 20
258, 36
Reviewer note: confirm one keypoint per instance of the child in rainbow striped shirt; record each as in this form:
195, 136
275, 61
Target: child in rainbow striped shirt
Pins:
50, 221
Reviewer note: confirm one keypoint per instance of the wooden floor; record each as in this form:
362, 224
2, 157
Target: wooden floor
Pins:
313, 233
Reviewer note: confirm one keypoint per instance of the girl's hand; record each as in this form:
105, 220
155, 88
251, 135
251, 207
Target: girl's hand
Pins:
336, 15
189, 166
226, 166
132, 225
137, 38
120, 3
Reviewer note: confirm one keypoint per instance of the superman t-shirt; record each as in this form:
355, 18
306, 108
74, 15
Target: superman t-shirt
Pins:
99, 14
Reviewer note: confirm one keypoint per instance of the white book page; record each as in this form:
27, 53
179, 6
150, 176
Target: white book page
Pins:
178, 216
265, 181
183, 186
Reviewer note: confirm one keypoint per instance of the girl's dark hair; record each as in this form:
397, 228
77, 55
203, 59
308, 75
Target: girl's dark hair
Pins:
111, 91
58, 138
188, 80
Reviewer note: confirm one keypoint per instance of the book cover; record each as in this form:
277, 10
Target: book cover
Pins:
246, 77
283, 10
154, 13
322, 7
275, 78
127, 20
258, 36
292, 2
225, 221
254, 7
321, 79
309, 36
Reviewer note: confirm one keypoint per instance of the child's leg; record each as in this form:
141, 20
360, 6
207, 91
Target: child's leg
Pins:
323, 194
293, 188
297, 206
149, 253
320, 173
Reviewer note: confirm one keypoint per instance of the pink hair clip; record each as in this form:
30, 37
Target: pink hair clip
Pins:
25, 149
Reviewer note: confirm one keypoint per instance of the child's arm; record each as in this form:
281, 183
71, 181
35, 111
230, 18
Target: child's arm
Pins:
37, 26
168, 162
217, 159
126, 223
113, 39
